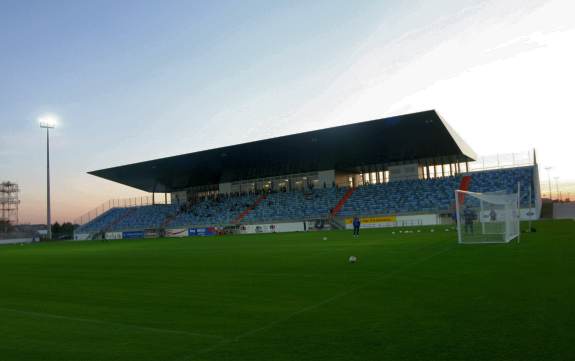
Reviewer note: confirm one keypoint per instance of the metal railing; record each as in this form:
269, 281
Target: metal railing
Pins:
557, 191
559, 197
120, 203
501, 161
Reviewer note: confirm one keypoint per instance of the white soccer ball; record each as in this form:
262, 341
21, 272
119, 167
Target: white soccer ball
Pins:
352, 259
433, 230
393, 232
418, 231
325, 238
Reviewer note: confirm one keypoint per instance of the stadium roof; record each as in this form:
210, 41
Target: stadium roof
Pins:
359, 147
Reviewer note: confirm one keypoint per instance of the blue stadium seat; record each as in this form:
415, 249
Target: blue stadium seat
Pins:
214, 212
434, 195
103, 221
408, 196
144, 217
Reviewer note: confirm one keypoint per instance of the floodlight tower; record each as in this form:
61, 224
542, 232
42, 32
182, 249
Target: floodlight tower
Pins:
548, 169
48, 122
9, 202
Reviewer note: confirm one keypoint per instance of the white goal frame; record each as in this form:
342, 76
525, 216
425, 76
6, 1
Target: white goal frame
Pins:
476, 225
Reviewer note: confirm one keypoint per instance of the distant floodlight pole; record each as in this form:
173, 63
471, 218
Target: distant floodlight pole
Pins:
548, 169
48, 122
557, 187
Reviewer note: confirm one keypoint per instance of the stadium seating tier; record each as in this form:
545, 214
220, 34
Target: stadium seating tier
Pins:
408, 196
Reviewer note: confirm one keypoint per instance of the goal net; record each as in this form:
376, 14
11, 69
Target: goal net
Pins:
487, 217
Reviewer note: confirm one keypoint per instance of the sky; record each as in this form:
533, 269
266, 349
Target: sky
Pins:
137, 80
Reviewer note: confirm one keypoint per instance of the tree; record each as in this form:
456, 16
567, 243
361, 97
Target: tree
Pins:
64, 230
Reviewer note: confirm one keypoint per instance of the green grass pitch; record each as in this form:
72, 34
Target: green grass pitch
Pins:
416, 296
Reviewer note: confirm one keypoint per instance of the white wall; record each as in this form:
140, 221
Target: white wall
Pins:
81, 236
526, 214
178, 232
327, 177
225, 188
564, 210
399, 221
113, 235
278, 228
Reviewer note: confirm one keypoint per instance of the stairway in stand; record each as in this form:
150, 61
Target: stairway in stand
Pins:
341, 202
246, 211
465, 183
464, 186
168, 219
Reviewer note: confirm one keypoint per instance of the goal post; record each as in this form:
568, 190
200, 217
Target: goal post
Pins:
487, 217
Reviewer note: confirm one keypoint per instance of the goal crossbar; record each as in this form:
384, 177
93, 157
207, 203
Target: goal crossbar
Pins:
487, 217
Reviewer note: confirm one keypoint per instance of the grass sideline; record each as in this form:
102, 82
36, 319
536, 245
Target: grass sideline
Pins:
415, 296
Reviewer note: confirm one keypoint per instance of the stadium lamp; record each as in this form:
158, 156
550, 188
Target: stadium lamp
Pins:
48, 122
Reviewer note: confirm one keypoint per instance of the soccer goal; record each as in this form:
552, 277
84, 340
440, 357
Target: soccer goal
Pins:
487, 217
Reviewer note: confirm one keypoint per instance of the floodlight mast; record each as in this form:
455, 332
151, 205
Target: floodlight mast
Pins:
48, 122
548, 169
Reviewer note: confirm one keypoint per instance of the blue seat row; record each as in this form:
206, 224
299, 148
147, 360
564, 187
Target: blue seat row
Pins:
143, 217
221, 211
296, 205
432, 195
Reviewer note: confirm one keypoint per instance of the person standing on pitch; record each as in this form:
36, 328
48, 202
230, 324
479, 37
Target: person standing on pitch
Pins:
492, 215
469, 216
356, 225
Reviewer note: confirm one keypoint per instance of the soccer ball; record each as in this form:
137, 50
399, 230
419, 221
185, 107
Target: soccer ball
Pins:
325, 238
432, 230
393, 232
352, 259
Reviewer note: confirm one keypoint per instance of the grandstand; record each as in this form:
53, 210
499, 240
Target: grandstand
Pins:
434, 195
402, 168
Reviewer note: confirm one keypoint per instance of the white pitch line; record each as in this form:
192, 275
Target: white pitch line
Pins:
311, 307
102, 322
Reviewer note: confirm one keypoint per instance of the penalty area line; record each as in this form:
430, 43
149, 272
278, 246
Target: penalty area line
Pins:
108, 323
312, 307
